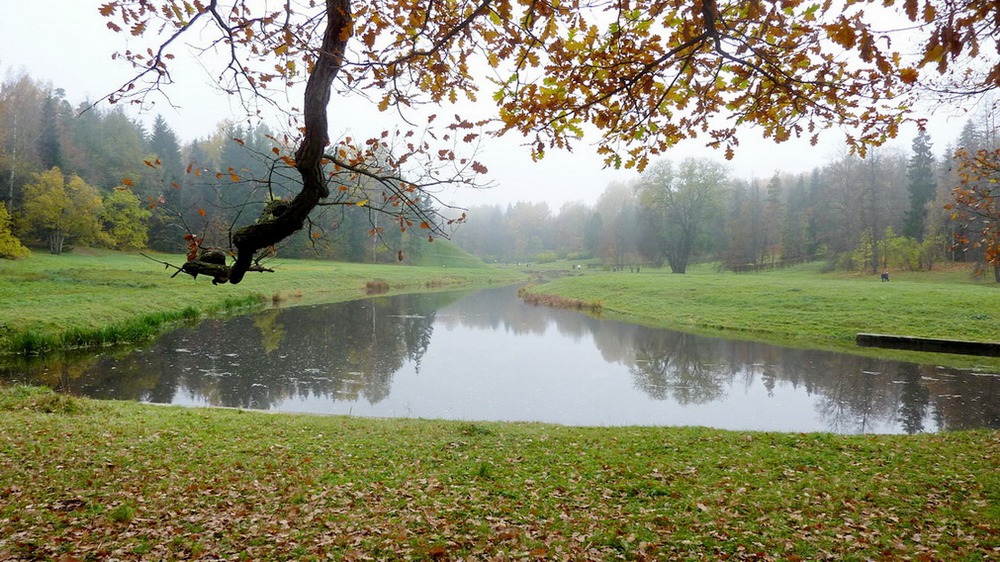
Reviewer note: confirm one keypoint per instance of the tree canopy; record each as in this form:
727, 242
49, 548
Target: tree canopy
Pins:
679, 203
10, 247
644, 74
63, 209
977, 200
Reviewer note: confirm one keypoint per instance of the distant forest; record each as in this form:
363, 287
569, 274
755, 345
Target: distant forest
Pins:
99, 177
889, 210
71, 174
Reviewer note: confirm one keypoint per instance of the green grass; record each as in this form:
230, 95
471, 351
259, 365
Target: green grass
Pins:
105, 298
798, 306
444, 253
117, 480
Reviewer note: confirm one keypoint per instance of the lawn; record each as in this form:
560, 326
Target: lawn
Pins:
799, 306
98, 297
89, 480
85, 480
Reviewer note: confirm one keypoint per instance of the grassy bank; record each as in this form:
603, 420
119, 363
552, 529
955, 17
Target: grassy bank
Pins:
83, 480
798, 306
105, 298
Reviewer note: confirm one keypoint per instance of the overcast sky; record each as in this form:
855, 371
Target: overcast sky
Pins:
67, 43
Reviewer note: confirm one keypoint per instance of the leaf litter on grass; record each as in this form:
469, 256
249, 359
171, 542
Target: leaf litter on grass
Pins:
134, 482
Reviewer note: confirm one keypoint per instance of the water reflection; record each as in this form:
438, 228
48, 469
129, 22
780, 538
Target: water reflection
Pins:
487, 356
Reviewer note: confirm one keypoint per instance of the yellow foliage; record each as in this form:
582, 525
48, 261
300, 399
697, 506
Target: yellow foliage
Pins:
10, 246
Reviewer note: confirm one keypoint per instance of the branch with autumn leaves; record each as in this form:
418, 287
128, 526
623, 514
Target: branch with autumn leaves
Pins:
645, 74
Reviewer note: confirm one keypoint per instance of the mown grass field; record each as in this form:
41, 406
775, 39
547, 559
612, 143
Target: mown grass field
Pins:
84, 480
799, 306
87, 480
98, 298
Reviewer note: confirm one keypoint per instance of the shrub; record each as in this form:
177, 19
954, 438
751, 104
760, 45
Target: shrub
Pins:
376, 287
10, 246
546, 257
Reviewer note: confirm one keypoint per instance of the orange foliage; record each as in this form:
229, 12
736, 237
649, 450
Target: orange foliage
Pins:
977, 199
642, 74
646, 73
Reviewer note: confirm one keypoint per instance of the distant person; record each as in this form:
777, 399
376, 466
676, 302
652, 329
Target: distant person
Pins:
885, 276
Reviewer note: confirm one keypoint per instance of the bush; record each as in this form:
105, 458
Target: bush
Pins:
10, 246
546, 257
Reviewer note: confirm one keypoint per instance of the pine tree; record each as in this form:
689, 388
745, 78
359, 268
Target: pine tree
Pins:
169, 172
922, 185
49, 146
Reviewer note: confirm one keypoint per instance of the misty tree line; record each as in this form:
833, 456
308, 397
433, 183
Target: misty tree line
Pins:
74, 174
887, 210
99, 177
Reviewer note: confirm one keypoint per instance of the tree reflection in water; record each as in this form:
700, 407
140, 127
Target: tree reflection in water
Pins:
307, 358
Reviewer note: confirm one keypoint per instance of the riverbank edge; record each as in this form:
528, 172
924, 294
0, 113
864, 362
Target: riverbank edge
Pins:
131, 325
87, 479
612, 302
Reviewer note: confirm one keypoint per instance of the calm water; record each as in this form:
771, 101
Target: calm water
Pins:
487, 356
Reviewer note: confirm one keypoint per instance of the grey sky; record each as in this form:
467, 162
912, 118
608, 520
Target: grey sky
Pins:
67, 43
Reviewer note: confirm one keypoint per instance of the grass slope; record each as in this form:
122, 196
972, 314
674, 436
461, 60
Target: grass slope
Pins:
84, 480
104, 297
798, 305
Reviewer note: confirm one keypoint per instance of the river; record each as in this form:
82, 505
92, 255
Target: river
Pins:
485, 355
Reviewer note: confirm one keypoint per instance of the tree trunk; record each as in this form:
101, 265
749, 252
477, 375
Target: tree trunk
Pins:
309, 156
56, 241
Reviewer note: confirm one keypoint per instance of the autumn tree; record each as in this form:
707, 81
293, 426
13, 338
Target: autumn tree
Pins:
615, 225
529, 227
568, 230
977, 202
20, 113
125, 220
60, 210
10, 247
678, 203
486, 234
799, 231
646, 74
872, 198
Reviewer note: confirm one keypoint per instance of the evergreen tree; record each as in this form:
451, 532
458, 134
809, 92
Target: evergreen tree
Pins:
49, 146
796, 236
922, 185
164, 145
773, 219
971, 138
197, 193
241, 188
167, 177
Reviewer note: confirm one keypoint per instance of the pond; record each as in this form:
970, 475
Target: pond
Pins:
486, 356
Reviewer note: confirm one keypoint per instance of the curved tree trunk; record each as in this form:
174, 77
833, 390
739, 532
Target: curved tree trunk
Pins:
309, 156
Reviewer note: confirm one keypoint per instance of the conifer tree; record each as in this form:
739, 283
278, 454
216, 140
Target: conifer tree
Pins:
922, 185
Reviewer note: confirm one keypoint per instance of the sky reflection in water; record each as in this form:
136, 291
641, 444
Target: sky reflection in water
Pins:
487, 356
